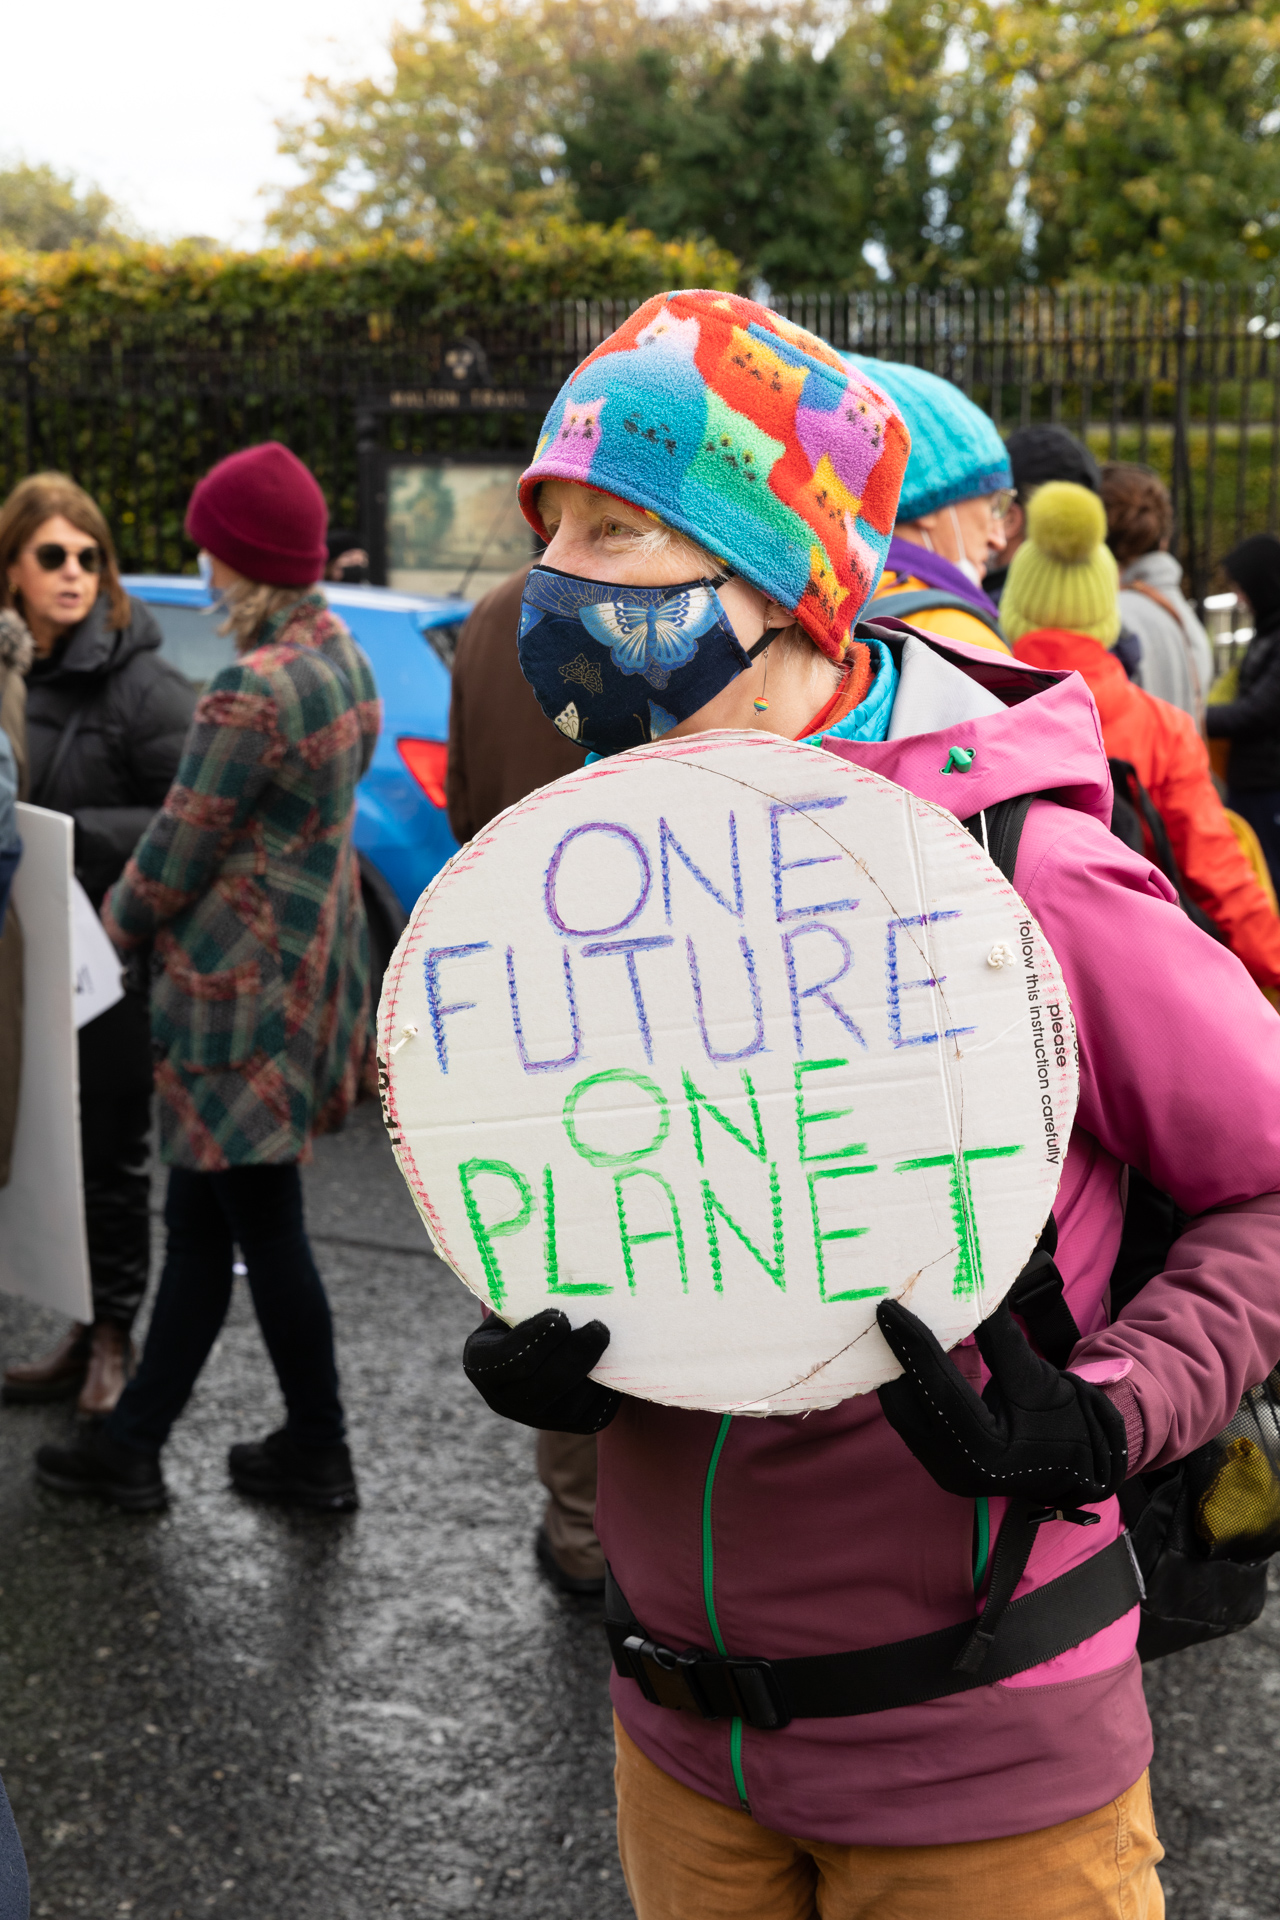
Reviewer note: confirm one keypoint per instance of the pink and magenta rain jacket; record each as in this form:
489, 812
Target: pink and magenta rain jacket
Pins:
791, 1536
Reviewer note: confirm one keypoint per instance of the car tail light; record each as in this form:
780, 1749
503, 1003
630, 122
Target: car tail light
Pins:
426, 760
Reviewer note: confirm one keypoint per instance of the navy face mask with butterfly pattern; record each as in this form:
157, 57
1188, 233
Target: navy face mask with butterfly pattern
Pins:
613, 666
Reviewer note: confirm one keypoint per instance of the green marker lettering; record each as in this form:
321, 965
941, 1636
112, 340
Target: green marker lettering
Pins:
629, 1239
499, 1229
822, 1234
968, 1274
805, 1119
695, 1100
550, 1254
711, 1206
616, 1076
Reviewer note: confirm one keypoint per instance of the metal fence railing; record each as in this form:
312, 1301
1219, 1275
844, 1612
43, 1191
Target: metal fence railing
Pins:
1183, 378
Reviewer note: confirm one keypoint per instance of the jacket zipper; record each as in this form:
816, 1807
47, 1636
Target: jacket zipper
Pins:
982, 1541
709, 1600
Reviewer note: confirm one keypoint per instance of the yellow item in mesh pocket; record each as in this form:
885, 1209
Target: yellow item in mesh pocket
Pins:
1243, 1499
1236, 1481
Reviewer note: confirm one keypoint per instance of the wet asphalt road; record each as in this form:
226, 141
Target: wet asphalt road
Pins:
227, 1709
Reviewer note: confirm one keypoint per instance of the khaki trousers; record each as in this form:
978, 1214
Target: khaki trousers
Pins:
567, 1469
685, 1857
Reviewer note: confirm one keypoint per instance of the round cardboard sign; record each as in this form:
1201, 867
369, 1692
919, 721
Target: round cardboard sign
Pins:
722, 1041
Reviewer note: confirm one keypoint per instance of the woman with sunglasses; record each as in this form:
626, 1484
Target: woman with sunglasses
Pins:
106, 718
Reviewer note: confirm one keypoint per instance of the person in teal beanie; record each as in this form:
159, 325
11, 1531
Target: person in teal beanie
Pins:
955, 494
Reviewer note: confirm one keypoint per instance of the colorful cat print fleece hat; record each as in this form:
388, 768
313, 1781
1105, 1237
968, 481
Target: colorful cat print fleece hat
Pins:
746, 433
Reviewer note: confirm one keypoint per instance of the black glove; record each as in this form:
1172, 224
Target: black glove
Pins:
536, 1373
1036, 1433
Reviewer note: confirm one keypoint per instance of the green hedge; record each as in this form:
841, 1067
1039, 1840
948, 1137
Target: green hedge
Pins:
487, 265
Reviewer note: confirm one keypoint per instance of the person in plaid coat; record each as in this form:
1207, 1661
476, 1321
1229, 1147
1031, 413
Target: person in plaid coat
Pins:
248, 885
248, 882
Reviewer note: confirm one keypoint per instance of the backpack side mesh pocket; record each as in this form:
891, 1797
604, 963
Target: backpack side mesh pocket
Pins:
1203, 1530
1234, 1481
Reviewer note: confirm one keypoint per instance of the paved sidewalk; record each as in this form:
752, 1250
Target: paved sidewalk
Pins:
228, 1709
231, 1710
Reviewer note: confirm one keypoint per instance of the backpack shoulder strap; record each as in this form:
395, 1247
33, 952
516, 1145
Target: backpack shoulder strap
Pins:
912, 600
1124, 779
45, 788
999, 829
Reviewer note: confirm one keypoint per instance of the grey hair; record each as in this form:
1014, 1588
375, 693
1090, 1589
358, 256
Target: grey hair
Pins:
659, 539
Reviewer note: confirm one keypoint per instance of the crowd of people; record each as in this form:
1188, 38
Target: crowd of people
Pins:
965, 582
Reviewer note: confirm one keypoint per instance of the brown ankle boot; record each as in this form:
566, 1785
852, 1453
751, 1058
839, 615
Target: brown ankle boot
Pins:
56, 1376
111, 1361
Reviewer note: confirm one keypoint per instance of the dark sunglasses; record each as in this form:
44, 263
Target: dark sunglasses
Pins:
51, 557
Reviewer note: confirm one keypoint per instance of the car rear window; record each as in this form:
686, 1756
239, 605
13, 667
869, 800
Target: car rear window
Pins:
192, 642
444, 641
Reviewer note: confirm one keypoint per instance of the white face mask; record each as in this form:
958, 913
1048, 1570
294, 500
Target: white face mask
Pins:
965, 564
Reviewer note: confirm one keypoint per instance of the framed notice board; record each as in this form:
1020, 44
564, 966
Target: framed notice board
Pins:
450, 526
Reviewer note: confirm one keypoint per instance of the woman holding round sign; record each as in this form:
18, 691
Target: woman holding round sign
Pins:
734, 1076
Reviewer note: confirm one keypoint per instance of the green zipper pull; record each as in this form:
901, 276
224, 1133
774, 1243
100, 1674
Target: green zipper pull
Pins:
982, 1540
959, 760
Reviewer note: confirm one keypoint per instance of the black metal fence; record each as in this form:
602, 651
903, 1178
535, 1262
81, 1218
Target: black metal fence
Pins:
1184, 378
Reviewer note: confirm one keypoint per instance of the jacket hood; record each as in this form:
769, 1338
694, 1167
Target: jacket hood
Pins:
1037, 731
94, 647
16, 646
1156, 569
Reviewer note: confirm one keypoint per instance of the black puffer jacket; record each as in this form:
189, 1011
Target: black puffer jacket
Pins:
134, 710
1251, 722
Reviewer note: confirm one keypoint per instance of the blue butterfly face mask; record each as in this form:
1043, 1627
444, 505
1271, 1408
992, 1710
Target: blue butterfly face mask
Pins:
613, 666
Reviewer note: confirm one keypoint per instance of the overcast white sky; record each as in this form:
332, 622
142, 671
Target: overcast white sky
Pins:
169, 106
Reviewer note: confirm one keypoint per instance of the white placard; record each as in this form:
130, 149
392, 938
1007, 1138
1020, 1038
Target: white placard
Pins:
44, 1255
724, 1040
95, 960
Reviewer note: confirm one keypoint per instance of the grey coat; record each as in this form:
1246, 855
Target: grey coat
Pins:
1177, 657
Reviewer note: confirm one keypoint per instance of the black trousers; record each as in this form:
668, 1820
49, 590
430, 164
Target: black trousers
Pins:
115, 1127
258, 1209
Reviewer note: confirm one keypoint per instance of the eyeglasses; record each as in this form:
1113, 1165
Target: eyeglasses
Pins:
51, 557
1001, 501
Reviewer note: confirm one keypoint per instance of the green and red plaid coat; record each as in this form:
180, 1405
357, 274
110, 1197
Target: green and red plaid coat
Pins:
248, 882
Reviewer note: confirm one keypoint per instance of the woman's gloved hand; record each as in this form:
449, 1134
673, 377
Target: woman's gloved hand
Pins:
536, 1373
1035, 1432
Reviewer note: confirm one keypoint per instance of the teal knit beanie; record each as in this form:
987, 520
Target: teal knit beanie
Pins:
956, 452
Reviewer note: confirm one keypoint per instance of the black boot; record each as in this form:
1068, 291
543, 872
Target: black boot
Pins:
278, 1469
97, 1464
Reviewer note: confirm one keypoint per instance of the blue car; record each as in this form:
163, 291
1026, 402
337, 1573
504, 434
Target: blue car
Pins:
402, 832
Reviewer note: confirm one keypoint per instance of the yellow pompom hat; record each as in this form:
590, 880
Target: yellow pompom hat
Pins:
1064, 574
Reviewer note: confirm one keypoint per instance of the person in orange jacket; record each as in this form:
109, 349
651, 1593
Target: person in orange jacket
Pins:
1060, 610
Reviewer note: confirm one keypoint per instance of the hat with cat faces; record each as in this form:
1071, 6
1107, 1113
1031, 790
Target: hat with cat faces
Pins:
749, 435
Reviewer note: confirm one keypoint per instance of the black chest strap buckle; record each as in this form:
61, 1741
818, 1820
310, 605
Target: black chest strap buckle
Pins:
713, 1686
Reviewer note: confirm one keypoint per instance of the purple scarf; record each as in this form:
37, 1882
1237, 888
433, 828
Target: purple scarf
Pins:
905, 556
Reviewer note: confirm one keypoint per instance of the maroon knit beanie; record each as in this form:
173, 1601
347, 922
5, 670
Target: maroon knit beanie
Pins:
262, 512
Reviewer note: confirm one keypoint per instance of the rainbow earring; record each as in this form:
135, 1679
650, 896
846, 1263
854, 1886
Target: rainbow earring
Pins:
760, 704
